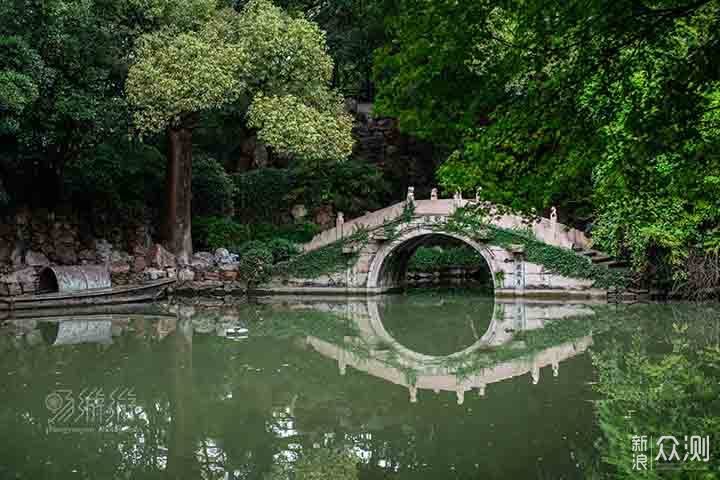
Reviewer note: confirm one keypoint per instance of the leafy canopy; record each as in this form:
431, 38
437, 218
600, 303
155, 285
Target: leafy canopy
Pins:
261, 56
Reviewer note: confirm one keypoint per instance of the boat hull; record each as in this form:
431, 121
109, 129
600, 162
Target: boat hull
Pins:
106, 296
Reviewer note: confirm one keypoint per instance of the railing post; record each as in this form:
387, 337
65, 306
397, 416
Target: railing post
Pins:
339, 222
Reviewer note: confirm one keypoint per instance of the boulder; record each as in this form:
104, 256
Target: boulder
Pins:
158, 257
186, 275
223, 256
87, 256
202, 261
153, 274
21, 281
117, 268
229, 275
16, 257
5, 251
324, 216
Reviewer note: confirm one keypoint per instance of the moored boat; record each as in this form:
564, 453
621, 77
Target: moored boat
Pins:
82, 286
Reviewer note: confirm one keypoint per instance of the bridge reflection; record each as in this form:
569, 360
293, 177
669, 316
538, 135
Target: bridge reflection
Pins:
499, 354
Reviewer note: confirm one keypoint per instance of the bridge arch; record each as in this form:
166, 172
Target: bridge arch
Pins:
389, 265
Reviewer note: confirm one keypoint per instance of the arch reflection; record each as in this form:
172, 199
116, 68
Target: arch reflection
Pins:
510, 347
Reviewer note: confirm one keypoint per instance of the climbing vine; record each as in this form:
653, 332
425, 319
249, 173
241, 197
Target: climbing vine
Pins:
332, 258
337, 256
473, 223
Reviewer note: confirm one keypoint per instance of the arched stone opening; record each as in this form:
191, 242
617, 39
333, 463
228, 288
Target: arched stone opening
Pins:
389, 267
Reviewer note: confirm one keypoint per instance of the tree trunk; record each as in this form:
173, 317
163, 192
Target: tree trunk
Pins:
177, 234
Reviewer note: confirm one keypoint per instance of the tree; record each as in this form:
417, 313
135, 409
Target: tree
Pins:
61, 73
593, 106
260, 58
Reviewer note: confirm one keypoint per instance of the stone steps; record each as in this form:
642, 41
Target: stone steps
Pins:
600, 258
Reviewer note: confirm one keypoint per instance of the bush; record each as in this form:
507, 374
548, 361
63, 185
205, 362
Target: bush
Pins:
121, 176
427, 259
282, 249
262, 195
279, 248
212, 188
217, 232
255, 265
350, 187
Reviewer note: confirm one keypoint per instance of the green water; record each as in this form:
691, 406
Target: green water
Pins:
423, 386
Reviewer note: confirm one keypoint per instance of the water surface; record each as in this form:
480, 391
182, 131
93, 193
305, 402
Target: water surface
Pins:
424, 386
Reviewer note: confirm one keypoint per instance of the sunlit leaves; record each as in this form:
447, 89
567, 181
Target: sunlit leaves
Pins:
261, 54
180, 74
294, 128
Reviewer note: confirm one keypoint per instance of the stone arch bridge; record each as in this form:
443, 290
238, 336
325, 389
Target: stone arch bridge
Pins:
380, 264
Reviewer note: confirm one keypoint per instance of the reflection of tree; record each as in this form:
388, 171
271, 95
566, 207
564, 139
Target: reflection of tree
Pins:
181, 453
206, 405
654, 385
317, 464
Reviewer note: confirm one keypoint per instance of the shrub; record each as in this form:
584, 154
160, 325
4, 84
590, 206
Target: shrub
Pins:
121, 176
255, 265
351, 187
279, 248
212, 188
427, 259
262, 195
282, 249
216, 232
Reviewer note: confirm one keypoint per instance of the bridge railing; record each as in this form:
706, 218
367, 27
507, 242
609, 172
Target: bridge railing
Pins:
547, 230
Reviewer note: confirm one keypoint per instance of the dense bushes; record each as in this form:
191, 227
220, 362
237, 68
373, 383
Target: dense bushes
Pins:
268, 194
351, 187
215, 232
431, 259
212, 187
263, 195
123, 176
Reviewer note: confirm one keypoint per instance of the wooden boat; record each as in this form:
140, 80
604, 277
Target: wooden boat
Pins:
59, 298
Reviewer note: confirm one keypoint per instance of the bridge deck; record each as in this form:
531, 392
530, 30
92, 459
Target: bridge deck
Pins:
546, 230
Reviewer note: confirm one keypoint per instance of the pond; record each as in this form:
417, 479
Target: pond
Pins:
424, 385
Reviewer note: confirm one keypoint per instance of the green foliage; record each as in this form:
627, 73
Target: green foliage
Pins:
121, 177
317, 464
351, 187
429, 259
255, 265
62, 66
282, 249
544, 107
306, 132
324, 463
213, 189
21, 71
178, 74
322, 261
556, 259
261, 57
217, 232
263, 195
656, 392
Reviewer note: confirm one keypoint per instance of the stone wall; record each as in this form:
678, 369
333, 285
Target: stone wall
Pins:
30, 241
